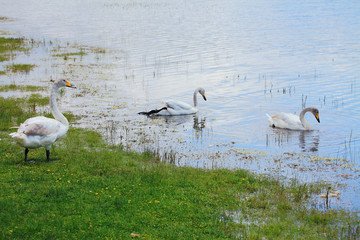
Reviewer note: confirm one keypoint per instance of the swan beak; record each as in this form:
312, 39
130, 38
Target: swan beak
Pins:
69, 85
317, 117
204, 97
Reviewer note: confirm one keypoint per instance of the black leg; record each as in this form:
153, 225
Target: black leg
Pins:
47, 155
26, 153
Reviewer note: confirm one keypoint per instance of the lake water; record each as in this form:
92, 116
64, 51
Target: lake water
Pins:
252, 58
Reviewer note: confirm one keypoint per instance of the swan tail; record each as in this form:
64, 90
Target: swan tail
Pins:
152, 111
18, 137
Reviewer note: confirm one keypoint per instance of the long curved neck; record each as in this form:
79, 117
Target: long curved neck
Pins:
194, 97
303, 121
54, 109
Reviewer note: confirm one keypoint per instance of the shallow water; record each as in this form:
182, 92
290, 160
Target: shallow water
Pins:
251, 57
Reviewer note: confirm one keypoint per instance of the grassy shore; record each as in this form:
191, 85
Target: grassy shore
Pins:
99, 191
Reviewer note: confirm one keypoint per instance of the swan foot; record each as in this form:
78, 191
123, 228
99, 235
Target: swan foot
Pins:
53, 160
30, 161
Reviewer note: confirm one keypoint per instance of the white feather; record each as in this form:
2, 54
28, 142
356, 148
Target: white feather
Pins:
292, 121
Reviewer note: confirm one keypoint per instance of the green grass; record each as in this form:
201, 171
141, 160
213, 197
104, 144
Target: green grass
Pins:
8, 47
38, 99
67, 55
14, 87
99, 191
81, 53
20, 68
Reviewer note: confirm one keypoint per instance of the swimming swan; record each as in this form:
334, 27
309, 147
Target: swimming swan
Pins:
292, 121
42, 131
173, 107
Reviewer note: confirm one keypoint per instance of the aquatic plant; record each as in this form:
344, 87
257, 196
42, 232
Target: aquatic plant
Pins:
14, 87
20, 68
9, 47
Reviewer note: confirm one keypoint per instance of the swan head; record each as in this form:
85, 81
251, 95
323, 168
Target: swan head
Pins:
315, 112
64, 83
202, 93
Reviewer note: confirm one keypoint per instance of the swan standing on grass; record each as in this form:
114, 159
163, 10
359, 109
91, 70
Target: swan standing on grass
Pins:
42, 131
292, 121
173, 107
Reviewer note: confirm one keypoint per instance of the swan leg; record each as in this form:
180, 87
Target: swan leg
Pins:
26, 153
48, 155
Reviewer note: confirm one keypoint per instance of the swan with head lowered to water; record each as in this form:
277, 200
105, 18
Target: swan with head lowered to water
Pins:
174, 107
292, 121
41, 131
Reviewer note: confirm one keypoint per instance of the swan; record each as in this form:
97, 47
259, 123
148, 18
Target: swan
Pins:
292, 121
174, 107
42, 131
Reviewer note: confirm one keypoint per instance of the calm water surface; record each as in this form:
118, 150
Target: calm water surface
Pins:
252, 57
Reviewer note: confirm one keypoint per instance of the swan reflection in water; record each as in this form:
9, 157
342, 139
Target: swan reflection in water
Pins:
198, 122
308, 141
172, 120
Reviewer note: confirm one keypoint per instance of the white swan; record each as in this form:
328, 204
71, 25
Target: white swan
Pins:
42, 131
174, 107
292, 121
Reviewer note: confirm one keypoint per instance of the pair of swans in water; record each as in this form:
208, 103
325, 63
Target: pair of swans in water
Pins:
281, 120
41, 131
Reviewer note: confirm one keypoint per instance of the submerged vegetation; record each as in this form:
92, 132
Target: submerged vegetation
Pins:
20, 68
14, 87
8, 49
97, 190
9, 46
67, 55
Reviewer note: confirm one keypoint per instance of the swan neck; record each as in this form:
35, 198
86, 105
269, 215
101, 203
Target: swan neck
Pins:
54, 109
302, 118
195, 98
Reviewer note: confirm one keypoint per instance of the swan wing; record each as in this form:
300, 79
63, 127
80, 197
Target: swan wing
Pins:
177, 105
40, 126
286, 120
177, 108
39, 132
